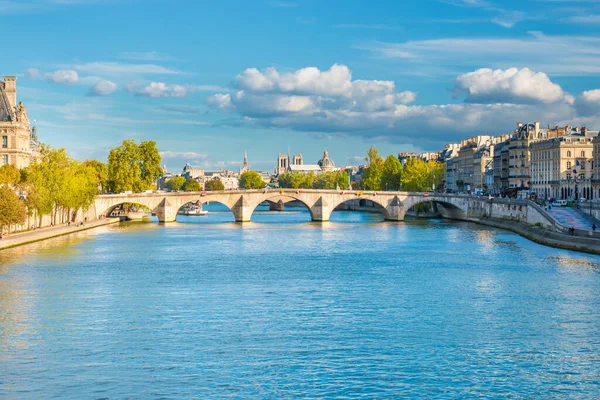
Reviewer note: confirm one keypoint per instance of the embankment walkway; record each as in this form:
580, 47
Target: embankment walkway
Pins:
17, 239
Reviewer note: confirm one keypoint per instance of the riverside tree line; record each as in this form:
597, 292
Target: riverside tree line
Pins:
57, 185
415, 175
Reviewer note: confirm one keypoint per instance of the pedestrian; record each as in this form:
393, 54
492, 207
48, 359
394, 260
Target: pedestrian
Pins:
0, 235
594, 227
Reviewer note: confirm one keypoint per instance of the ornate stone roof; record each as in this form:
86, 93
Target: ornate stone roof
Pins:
326, 161
6, 111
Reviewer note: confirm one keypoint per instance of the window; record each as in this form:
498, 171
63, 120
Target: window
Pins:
5, 142
582, 153
568, 164
568, 154
582, 165
4, 159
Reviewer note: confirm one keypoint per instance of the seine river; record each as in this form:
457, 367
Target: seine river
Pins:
284, 308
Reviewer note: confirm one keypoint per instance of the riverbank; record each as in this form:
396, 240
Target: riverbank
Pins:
544, 236
19, 239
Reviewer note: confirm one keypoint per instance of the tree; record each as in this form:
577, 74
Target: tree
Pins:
176, 183
296, 180
215, 184
9, 175
101, 172
415, 175
391, 174
251, 180
436, 172
133, 167
12, 208
371, 179
331, 180
191, 185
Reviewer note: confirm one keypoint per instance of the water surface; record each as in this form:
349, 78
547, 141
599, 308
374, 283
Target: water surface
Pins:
285, 308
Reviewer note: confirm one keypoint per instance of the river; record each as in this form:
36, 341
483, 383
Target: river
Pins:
285, 308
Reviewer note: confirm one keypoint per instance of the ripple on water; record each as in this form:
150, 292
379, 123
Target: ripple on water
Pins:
283, 308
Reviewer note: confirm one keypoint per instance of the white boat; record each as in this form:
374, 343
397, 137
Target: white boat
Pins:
193, 210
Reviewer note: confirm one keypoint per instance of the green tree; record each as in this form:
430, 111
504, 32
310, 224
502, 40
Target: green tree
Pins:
9, 174
415, 175
101, 172
176, 183
149, 163
251, 180
191, 185
133, 167
215, 185
331, 180
371, 179
296, 180
392, 173
436, 173
12, 208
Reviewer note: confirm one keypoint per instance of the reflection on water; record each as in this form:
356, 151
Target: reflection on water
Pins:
282, 307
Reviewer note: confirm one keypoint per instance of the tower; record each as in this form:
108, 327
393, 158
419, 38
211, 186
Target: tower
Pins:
10, 89
283, 163
245, 166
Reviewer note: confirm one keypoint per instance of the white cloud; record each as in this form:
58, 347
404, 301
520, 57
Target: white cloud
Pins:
103, 88
373, 109
145, 56
578, 54
507, 86
65, 77
115, 68
160, 89
33, 73
588, 103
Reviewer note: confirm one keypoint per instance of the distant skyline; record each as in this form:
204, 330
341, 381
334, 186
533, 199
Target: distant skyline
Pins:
207, 80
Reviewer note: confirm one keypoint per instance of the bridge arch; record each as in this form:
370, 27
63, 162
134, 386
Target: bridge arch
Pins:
450, 208
276, 197
381, 203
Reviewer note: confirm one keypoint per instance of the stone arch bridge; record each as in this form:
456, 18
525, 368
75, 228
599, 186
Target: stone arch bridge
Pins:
320, 203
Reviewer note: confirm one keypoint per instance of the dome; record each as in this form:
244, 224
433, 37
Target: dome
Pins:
326, 162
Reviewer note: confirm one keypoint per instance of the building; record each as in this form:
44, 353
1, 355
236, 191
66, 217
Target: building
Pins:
245, 166
562, 167
326, 163
18, 142
500, 167
190, 172
473, 157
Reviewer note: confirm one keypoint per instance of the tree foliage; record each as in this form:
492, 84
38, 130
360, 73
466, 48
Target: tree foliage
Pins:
215, 184
251, 180
9, 175
133, 167
191, 185
392, 173
419, 175
101, 172
57, 183
176, 183
371, 179
12, 208
296, 180
331, 180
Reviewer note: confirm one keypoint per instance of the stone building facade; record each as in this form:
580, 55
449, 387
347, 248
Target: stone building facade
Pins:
562, 167
18, 142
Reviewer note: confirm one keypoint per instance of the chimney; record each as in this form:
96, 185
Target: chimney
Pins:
520, 124
10, 88
537, 127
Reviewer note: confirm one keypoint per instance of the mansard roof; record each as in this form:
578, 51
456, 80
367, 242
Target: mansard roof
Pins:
6, 111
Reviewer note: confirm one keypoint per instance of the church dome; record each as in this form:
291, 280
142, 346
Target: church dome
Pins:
326, 162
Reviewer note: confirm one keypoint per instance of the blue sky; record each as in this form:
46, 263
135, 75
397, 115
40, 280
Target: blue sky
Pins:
208, 79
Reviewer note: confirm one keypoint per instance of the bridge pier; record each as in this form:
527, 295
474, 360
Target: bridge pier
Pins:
395, 210
166, 212
242, 210
279, 206
321, 211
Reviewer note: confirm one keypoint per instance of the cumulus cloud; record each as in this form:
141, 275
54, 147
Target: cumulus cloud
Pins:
507, 86
307, 91
496, 100
161, 89
65, 77
588, 103
103, 88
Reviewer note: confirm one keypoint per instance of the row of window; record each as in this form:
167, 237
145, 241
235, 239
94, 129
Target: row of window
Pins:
546, 154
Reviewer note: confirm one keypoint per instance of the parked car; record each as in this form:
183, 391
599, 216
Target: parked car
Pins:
559, 203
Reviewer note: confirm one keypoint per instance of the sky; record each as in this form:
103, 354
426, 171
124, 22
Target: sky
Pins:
207, 80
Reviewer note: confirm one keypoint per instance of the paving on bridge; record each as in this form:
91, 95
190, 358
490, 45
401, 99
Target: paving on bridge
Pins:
571, 218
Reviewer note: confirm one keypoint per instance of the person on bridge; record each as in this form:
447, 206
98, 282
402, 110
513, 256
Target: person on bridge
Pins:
594, 227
